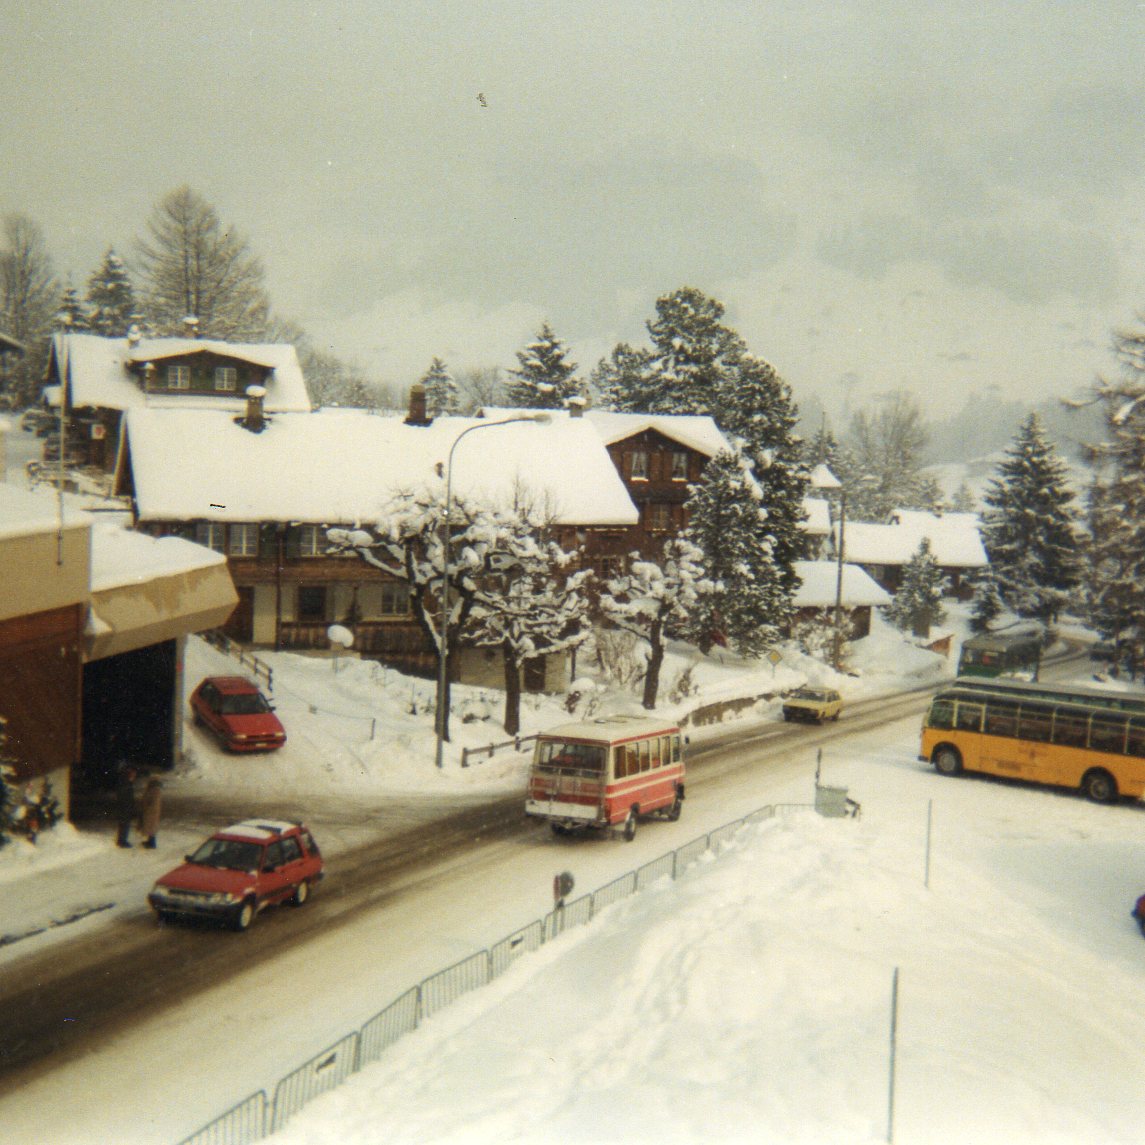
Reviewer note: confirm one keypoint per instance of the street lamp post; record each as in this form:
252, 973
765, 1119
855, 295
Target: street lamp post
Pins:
837, 650
823, 478
443, 625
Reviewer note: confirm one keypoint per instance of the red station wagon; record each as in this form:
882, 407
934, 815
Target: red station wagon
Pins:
237, 713
239, 871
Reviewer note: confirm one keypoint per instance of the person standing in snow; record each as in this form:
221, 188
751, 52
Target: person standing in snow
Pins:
125, 804
150, 806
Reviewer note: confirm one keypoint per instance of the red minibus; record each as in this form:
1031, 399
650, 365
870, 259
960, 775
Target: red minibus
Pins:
606, 772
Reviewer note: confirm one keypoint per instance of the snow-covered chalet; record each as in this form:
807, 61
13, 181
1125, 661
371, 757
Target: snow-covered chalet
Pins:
99, 379
263, 488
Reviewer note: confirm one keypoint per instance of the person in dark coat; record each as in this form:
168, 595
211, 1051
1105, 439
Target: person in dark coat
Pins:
125, 804
150, 805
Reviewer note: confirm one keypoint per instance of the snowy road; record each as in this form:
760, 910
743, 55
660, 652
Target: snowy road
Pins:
142, 996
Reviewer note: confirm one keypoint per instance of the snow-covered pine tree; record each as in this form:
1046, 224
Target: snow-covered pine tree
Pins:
986, 604
530, 605
728, 522
619, 378
111, 298
880, 461
821, 449
441, 394
1030, 527
693, 354
655, 600
545, 377
918, 603
1116, 567
71, 317
964, 500
759, 412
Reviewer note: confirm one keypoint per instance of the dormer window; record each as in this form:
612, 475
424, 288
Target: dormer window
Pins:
226, 379
178, 377
638, 465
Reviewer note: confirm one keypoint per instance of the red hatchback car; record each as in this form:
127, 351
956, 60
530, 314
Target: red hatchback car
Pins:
237, 713
240, 870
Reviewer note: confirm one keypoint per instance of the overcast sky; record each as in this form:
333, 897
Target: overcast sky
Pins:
945, 196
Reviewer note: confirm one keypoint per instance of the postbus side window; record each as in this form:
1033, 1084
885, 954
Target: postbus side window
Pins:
675, 749
1136, 745
1070, 728
1034, 722
1001, 718
969, 717
1107, 733
941, 714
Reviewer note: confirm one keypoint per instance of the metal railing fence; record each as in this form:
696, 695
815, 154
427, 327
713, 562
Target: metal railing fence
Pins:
257, 1116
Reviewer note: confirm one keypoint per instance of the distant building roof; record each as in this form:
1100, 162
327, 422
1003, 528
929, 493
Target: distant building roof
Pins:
820, 585
697, 431
345, 466
96, 371
953, 542
818, 512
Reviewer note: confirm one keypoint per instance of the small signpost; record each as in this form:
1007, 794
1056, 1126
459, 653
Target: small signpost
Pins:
776, 658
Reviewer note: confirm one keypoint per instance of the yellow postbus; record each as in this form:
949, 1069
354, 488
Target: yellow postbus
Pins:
1077, 737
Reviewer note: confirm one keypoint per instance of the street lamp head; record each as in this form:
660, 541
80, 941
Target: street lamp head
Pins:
822, 478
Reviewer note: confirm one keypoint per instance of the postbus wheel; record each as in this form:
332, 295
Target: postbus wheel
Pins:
947, 761
630, 824
676, 806
1099, 786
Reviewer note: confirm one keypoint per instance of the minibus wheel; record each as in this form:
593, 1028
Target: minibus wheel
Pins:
947, 761
676, 807
630, 825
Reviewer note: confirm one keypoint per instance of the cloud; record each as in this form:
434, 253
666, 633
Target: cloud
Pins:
1024, 262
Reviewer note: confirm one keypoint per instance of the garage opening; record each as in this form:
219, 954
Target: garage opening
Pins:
128, 717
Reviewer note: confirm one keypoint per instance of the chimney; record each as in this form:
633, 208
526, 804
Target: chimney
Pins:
255, 419
576, 406
191, 326
417, 410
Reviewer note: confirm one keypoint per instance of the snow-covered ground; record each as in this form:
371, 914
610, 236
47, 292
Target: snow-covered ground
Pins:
749, 1000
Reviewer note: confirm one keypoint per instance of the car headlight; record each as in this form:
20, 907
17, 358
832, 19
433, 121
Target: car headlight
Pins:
222, 898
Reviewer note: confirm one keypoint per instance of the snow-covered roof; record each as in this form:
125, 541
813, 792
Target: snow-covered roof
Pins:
920, 519
698, 432
121, 557
96, 371
818, 516
344, 466
952, 544
24, 513
820, 585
